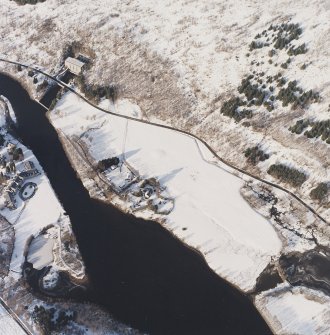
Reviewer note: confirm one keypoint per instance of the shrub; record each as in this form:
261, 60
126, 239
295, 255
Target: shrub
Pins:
286, 33
299, 127
31, 2
281, 82
287, 174
107, 163
255, 155
302, 49
43, 317
17, 153
252, 91
319, 192
231, 108
96, 92
293, 94
255, 45
321, 128
271, 53
47, 320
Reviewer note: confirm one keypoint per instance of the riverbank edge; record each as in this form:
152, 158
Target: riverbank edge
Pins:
116, 201
39, 293
79, 279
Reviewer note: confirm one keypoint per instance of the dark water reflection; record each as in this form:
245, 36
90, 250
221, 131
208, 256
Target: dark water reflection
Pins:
139, 272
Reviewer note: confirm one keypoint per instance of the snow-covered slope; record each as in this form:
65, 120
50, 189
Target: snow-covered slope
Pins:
34, 217
209, 213
8, 325
181, 59
296, 310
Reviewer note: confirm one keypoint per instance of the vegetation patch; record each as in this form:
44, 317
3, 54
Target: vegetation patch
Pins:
319, 192
91, 91
281, 36
50, 320
320, 128
255, 155
252, 91
7, 240
286, 33
301, 49
257, 90
299, 127
293, 94
30, 2
316, 129
96, 92
286, 174
232, 108
107, 163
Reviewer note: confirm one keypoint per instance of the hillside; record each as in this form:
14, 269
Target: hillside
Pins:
251, 79
181, 61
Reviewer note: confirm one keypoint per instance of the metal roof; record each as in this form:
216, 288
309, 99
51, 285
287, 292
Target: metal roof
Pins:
75, 61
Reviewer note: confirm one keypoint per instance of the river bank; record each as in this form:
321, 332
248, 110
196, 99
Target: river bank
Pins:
31, 289
144, 276
181, 166
108, 137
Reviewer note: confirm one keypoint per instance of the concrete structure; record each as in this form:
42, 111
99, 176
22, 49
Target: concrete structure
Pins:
16, 184
29, 173
29, 165
74, 65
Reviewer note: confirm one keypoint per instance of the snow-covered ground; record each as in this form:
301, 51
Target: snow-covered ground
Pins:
295, 310
33, 215
43, 212
176, 62
182, 62
41, 252
8, 326
209, 213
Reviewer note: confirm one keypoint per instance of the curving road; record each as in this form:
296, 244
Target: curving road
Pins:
173, 129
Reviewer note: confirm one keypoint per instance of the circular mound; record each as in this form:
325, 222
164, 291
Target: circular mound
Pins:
28, 191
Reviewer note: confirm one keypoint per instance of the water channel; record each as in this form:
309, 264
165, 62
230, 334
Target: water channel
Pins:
138, 270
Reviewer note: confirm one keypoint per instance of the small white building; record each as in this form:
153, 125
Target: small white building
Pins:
74, 65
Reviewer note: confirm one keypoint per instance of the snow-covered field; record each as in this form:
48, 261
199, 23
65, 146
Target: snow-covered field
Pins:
29, 219
176, 62
41, 252
33, 215
295, 310
209, 213
183, 61
8, 326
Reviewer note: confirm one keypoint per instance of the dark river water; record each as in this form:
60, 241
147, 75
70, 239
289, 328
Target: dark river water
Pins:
139, 271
